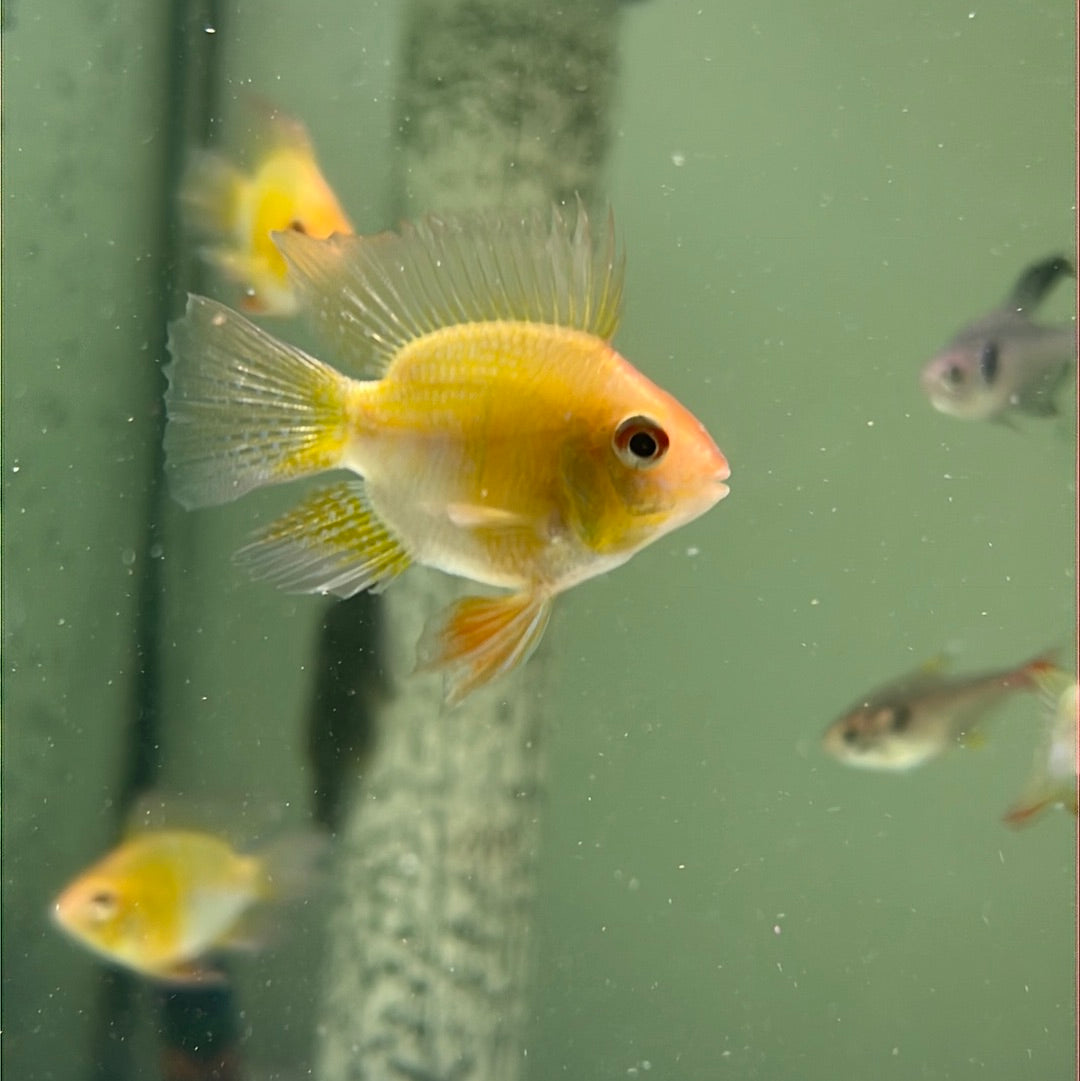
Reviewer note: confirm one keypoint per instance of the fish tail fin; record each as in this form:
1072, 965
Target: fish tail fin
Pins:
244, 409
480, 638
291, 866
211, 191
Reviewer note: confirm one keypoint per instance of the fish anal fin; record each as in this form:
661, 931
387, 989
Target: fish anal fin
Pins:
480, 638
333, 542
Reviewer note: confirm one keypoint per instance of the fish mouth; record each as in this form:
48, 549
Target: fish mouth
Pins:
723, 471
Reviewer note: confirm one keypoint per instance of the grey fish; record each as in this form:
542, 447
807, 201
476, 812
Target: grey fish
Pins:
915, 718
1004, 361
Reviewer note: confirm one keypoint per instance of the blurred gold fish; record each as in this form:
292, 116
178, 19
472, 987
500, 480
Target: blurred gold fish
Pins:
162, 900
1053, 778
506, 441
238, 211
911, 720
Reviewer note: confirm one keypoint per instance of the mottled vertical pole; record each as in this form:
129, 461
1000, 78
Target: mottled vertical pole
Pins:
503, 105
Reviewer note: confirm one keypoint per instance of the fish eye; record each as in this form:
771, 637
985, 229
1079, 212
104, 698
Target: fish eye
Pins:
102, 905
850, 736
297, 226
640, 442
988, 361
954, 375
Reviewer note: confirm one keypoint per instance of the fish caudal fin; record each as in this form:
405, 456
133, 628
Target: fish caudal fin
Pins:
293, 866
332, 543
480, 638
210, 194
245, 409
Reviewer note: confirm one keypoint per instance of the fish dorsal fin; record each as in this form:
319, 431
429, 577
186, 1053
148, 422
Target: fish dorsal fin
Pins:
1036, 281
369, 296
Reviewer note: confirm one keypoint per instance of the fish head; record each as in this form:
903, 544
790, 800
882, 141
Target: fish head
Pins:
878, 736
965, 379
99, 913
643, 466
116, 912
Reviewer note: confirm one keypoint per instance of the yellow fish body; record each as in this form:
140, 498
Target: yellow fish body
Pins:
161, 900
237, 211
506, 441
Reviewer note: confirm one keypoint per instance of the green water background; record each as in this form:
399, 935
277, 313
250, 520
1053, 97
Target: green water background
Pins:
813, 198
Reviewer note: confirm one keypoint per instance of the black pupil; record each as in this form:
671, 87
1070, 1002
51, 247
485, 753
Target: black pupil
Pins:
642, 445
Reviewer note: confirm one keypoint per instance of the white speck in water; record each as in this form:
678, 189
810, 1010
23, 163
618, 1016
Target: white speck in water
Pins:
814, 602
693, 550
127, 557
777, 929
869, 424
678, 159
210, 29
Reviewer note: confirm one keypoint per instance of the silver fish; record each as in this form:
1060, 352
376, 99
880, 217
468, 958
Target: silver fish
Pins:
1004, 361
913, 719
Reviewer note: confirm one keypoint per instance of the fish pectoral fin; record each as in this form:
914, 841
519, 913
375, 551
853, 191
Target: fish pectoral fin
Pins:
478, 516
479, 638
333, 542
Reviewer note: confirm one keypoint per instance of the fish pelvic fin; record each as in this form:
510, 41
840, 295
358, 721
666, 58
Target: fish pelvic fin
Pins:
333, 542
244, 409
478, 639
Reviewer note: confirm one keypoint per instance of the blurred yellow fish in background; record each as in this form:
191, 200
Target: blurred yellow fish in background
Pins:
506, 441
1053, 778
163, 899
236, 211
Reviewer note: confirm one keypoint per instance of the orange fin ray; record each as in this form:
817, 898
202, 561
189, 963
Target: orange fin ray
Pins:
245, 409
479, 638
333, 542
